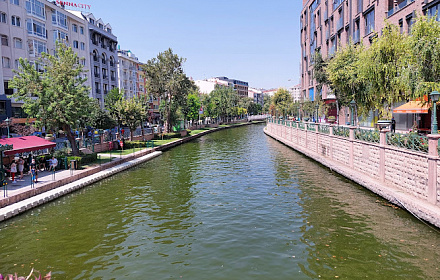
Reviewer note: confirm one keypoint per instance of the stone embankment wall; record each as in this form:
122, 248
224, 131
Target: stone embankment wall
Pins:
405, 177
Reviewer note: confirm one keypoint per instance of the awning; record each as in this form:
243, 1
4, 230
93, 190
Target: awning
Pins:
413, 107
26, 144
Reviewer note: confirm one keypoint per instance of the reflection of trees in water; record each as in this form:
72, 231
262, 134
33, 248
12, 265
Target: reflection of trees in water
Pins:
347, 230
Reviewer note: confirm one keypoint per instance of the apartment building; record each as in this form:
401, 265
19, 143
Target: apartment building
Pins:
28, 28
239, 86
102, 55
128, 65
327, 25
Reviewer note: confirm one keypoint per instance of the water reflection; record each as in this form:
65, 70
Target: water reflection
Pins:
230, 205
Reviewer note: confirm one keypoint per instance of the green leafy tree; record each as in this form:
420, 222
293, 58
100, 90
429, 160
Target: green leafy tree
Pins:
267, 100
422, 71
380, 67
320, 71
113, 97
101, 119
167, 80
343, 74
57, 97
193, 105
132, 113
223, 101
282, 101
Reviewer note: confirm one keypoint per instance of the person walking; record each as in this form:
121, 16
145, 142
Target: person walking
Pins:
13, 171
393, 125
21, 167
34, 171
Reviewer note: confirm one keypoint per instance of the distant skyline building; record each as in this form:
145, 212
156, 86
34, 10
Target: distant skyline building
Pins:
239, 86
256, 95
208, 85
295, 91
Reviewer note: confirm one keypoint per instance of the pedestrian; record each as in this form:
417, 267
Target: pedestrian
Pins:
21, 166
34, 171
393, 125
13, 171
53, 164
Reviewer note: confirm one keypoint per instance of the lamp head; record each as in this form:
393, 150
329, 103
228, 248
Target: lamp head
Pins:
434, 96
352, 103
8, 121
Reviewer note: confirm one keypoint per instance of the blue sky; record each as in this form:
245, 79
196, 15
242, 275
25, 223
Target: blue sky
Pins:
254, 41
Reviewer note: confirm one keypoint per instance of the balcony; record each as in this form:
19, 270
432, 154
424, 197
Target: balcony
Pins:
105, 77
97, 75
399, 7
356, 37
113, 78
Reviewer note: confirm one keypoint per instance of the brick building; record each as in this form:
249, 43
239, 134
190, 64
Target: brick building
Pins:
327, 24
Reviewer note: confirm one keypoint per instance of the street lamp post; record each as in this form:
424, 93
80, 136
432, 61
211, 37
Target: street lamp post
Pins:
434, 97
8, 122
352, 104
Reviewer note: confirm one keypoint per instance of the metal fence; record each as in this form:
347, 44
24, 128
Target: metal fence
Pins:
367, 135
412, 141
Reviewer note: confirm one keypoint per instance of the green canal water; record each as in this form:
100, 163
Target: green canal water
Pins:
234, 204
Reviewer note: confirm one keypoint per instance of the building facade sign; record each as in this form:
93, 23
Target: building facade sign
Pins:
72, 4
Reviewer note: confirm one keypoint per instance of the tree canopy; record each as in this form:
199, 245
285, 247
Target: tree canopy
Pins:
57, 96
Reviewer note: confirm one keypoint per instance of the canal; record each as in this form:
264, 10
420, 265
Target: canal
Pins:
234, 204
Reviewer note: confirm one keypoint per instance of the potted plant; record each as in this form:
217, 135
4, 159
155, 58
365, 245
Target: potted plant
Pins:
49, 137
331, 119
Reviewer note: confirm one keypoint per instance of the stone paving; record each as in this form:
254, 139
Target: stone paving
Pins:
46, 177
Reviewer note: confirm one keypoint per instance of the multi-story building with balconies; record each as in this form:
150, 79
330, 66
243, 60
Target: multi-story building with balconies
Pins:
128, 73
103, 57
239, 86
329, 24
29, 28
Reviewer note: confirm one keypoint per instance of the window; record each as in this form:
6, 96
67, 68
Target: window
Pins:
36, 48
3, 108
81, 30
17, 64
109, 30
3, 17
104, 59
112, 61
75, 44
6, 62
409, 22
369, 22
433, 11
36, 28
4, 40
96, 71
82, 61
401, 26
36, 8
95, 55
59, 19
91, 20
75, 28
104, 73
15, 21
15, 2
113, 75
60, 36
82, 45
18, 43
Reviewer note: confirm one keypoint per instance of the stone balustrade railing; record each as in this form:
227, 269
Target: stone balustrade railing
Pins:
409, 164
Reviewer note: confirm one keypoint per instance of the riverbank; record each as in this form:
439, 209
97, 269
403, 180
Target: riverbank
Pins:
417, 206
22, 196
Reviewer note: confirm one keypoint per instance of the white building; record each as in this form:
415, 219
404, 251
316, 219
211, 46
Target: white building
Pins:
208, 85
256, 95
128, 73
295, 91
28, 28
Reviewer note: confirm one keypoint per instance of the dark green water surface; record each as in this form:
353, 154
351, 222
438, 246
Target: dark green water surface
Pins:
234, 204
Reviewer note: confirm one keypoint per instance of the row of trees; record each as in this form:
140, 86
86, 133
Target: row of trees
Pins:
396, 67
59, 100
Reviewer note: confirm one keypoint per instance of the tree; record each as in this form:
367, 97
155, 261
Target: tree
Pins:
56, 97
343, 75
422, 73
380, 67
193, 105
320, 71
167, 80
267, 100
132, 113
224, 101
115, 95
282, 101
101, 119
